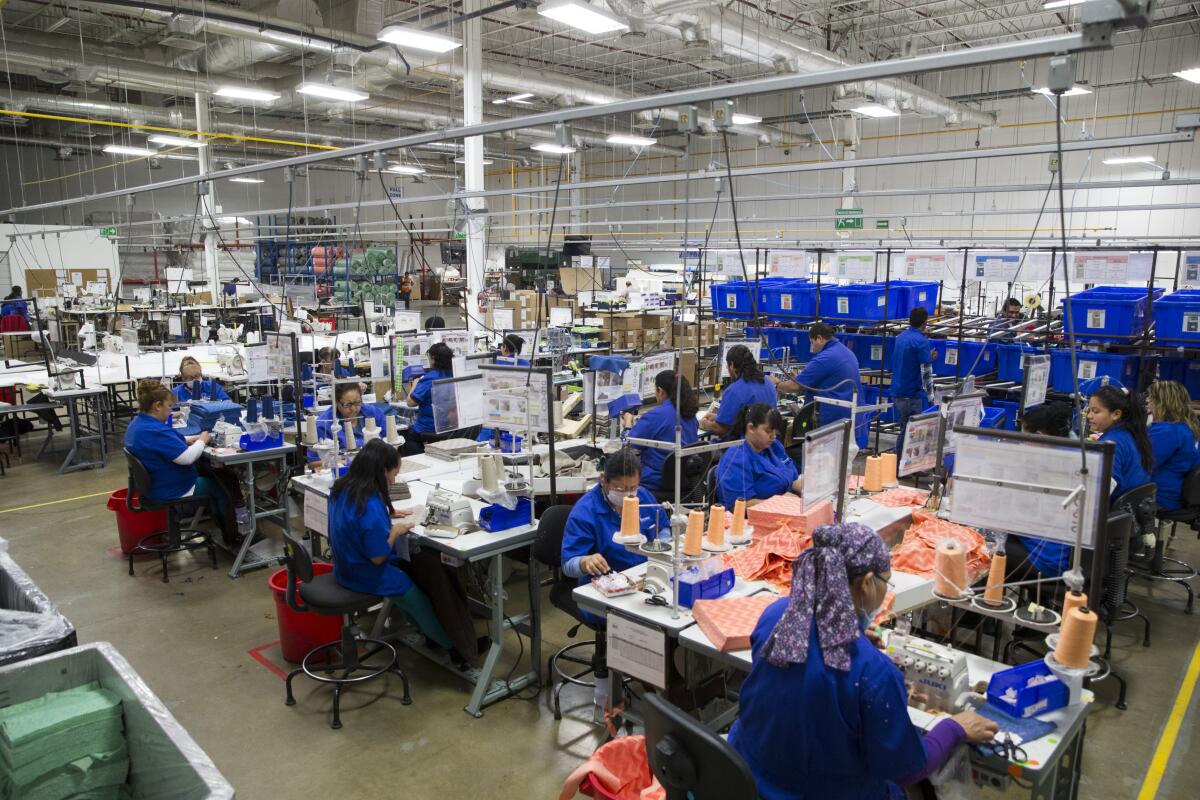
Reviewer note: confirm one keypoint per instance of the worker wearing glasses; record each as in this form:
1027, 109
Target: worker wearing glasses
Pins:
349, 405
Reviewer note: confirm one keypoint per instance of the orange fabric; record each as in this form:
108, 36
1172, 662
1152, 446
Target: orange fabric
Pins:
884, 614
788, 509
899, 496
621, 768
769, 558
729, 622
917, 552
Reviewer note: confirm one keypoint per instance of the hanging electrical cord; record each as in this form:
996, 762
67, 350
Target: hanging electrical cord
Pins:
216, 228
813, 127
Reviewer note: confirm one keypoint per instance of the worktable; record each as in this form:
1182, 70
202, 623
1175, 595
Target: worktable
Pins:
243, 461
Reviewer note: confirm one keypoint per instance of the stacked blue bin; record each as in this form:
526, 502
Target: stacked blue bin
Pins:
860, 302
975, 358
869, 349
789, 300
1010, 361
1108, 313
1181, 370
731, 300
911, 294
1177, 317
1123, 368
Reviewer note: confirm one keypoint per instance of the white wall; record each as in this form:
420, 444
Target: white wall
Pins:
62, 251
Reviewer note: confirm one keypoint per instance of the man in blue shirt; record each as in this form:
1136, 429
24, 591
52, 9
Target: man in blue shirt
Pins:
833, 372
912, 372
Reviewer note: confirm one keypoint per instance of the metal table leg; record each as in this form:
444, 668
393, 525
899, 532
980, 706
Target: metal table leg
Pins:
247, 559
486, 690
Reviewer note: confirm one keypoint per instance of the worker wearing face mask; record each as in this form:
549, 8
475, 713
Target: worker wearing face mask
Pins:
588, 548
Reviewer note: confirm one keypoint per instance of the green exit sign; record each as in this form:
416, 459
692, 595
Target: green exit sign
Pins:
108, 233
848, 219
459, 235
882, 224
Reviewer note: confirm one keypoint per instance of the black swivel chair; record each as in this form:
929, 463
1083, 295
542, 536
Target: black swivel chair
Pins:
1162, 567
1138, 503
322, 595
695, 465
690, 761
174, 539
547, 548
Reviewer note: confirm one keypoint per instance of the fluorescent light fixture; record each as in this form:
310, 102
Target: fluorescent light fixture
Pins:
1074, 91
1053, 4
176, 141
415, 39
234, 221
1192, 74
551, 147
1146, 159
521, 99
406, 169
581, 15
486, 161
299, 40
633, 141
246, 93
240, 179
745, 119
124, 150
330, 92
876, 110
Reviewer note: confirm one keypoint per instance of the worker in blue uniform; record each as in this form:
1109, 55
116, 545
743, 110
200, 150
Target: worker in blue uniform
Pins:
1029, 556
364, 530
823, 713
748, 386
912, 372
420, 397
347, 398
1173, 440
588, 548
190, 372
833, 372
659, 424
14, 305
758, 468
510, 351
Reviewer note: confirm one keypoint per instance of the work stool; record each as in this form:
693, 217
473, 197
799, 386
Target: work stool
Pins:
175, 539
322, 595
1162, 567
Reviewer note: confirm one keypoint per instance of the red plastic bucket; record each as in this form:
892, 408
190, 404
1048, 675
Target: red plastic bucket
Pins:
301, 631
133, 526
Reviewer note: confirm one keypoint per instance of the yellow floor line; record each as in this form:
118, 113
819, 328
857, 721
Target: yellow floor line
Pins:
1166, 743
55, 502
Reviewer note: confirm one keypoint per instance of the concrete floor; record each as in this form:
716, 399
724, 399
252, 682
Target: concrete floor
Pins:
191, 640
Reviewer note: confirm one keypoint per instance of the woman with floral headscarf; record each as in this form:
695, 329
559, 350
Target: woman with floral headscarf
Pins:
823, 712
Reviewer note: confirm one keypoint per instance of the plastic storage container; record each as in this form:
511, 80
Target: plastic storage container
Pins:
794, 339
1123, 368
36, 627
871, 351
731, 300
709, 588
165, 763
1181, 370
301, 631
1108, 313
1012, 413
913, 294
1029, 701
794, 300
976, 358
1177, 317
1010, 361
993, 417
859, 302
133, 526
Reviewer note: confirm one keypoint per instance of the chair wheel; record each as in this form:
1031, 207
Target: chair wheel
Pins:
291, 701
1122, 706
406, 701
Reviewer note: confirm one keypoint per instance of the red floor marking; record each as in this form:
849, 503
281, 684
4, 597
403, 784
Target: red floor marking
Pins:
256, 654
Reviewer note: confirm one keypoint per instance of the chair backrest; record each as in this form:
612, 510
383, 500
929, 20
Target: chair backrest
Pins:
694, 467
547, 545
1191, 489
299, 569
1120, 526
689, 760
139, 481
710, 484
1139, 502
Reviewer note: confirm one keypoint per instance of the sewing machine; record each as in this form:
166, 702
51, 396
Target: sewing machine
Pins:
447, 514
935, 675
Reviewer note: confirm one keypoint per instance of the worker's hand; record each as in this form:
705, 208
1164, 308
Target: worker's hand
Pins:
403, 512
933, 353
774, 379
401, 528
594, 564
873, 637
977, 728
205, 437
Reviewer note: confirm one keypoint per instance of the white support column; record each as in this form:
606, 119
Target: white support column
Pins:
208, 204
472, 115
850, 134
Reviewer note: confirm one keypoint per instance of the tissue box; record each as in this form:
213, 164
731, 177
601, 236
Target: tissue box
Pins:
710, 588
788, 509
729, 623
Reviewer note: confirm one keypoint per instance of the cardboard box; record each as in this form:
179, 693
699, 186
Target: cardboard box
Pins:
18, 345
655, 321
623, 322
633, 339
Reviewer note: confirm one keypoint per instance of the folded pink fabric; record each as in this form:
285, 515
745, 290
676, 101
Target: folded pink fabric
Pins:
621, 769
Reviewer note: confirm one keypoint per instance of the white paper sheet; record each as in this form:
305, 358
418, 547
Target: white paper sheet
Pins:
316, 513
637, 650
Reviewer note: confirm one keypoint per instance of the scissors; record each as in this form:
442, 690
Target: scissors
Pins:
655, 599
1004, 746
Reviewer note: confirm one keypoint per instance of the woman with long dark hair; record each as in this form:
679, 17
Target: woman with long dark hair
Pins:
14, 305
363, 531
420, 396
349, 405
1118, 416
748, 386
659, 424
759, 468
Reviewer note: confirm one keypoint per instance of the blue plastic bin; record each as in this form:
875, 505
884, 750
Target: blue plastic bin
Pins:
1123, 368
913, 294
710, 588
731, 300
1012, 411
1108, 313
993, 417
950, 356
871, 350
1030, 700
1177, 317
795, 339
1010, 361
792, 301
870, 396
1181, 370
860, 302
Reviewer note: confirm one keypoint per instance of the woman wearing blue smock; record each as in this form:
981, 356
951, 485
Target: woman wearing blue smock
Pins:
347, 399
363, 533
1173, 439
588, 548
14, 305
759, 467
190, 373
823, 714
420, 397
1119, 418
510, 351
748, 386
329, 362
833, 372
659, 424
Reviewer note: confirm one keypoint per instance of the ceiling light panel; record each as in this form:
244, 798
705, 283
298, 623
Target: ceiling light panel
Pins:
330, 92
415, 39
581, 16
